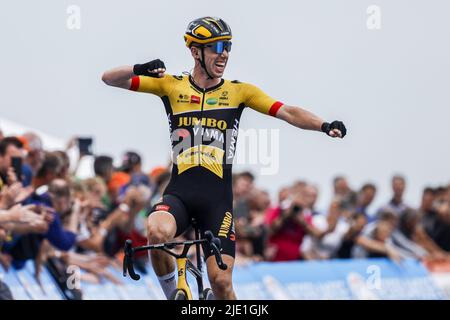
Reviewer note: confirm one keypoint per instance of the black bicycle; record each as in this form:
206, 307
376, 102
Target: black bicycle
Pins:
183, 292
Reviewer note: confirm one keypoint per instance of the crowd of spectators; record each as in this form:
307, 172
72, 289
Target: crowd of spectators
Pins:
293, 228
55, 219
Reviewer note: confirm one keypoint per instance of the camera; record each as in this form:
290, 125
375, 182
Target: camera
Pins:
296, 209
85, 145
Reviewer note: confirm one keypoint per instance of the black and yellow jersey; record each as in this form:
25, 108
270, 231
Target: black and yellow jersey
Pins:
204, 122
204, 127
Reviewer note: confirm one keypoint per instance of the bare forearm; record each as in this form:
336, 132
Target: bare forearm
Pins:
5, 216
421, 238
8, 216
119, 77
73, 222
372, 245
300, 118
94, 243
76, 259
19, 228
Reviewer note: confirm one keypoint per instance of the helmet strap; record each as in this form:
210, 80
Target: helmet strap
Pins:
203, 65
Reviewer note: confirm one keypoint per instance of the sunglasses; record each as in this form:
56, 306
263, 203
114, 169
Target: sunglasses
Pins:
220, 46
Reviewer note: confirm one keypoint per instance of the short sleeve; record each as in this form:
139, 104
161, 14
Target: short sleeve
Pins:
157, 86
258, 100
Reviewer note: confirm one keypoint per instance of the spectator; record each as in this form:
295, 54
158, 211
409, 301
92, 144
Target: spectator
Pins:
365, 199
64, 172
344, 225
50, 169
396, 204
251, 231
441, 194
298, 186
96, 190
375, 239
132, 165
283, 195
310, 194
119, 180
397, 233
287, 228
61, 201
9, 147
243, 184
124, 218
103, 168
410, 226
91, 219
435, 211
358, 221
326, 247
35, 152
428, 212
52, 209
342, 190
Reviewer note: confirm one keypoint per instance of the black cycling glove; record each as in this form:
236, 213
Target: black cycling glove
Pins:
327, 127
144, 69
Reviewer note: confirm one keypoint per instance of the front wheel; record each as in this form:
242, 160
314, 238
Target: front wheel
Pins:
208, 294
178, 294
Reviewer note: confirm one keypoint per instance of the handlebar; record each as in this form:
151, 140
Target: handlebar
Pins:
128, 265
215, 245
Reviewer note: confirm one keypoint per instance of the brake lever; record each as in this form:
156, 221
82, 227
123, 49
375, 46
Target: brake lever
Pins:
128, 261
215, 245
218, 256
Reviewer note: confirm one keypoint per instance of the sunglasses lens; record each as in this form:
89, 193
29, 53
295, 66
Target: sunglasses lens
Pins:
227, 46
219, 47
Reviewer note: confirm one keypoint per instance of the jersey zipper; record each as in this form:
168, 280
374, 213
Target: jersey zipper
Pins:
201, 126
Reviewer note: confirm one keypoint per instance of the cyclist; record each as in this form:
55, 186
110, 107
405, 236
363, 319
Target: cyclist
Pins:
204, 111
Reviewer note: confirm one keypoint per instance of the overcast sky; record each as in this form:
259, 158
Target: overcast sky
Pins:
390, 85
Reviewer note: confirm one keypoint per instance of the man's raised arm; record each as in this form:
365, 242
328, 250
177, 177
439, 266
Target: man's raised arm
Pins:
121, 76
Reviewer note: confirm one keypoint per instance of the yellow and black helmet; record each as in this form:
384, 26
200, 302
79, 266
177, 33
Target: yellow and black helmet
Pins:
206, 30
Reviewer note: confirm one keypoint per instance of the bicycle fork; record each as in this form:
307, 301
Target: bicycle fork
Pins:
184, 265
182, 283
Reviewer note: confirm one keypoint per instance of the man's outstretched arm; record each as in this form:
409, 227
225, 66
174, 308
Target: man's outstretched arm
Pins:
256, 99
121, 76
304, 119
